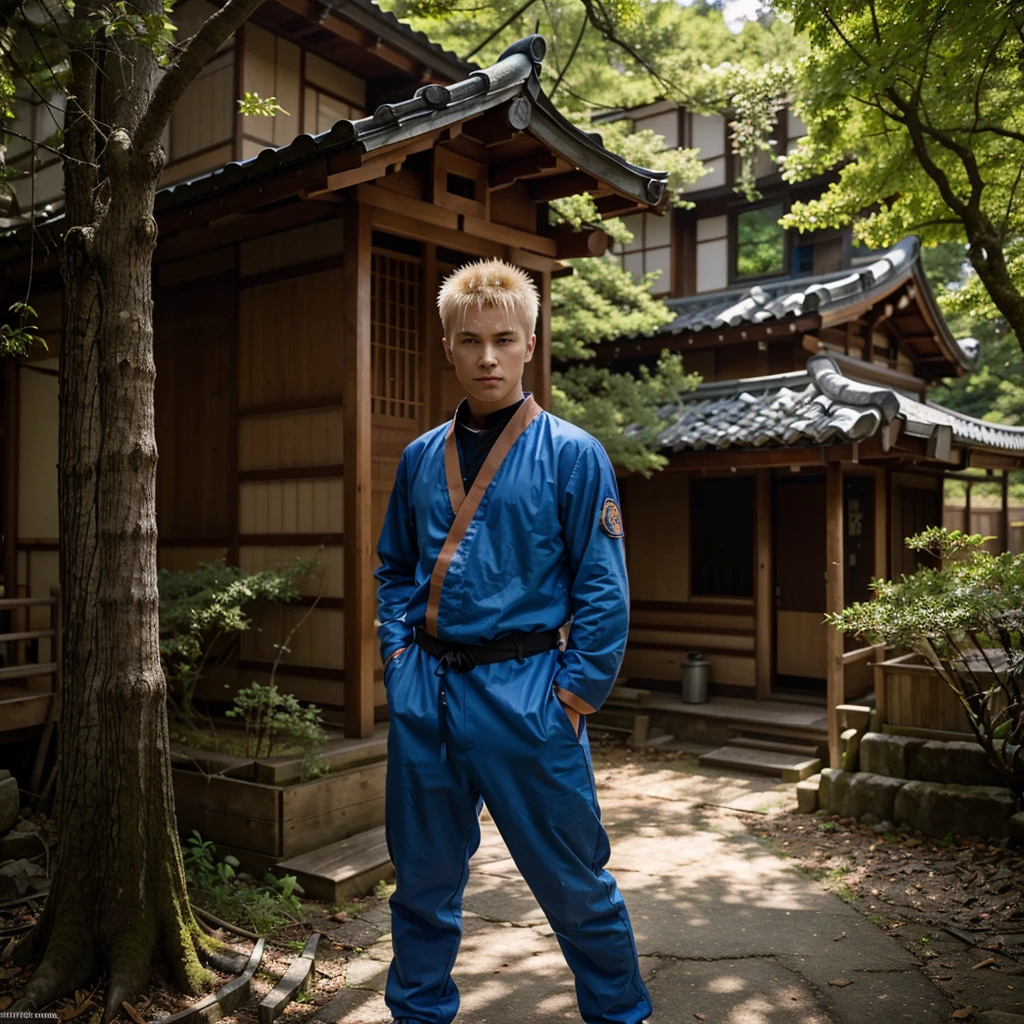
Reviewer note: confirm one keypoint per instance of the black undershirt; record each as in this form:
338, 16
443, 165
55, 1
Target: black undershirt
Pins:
475, 445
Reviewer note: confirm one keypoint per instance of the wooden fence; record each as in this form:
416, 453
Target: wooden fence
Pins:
30, 690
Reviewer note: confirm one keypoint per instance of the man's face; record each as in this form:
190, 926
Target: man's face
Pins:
489, 350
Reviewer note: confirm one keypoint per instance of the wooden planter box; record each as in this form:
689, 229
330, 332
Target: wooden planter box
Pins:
256, 810
909, 694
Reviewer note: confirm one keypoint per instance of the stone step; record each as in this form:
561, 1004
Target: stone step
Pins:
787, 767
796, 749
349, 867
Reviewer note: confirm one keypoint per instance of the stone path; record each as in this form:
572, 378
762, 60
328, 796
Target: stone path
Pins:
728, 933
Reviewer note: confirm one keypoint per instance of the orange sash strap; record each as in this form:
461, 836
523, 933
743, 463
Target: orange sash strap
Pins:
465, 505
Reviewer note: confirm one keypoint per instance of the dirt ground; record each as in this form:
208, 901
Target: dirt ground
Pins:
956, 905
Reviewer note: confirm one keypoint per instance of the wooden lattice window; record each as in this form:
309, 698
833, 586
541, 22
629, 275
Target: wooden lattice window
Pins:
397, 334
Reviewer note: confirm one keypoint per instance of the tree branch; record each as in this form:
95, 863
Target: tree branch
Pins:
842, 35
598, 17
196, 55
501, 28
572, 54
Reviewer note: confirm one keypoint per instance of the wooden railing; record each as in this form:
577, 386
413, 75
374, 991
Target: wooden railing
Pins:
23, 703
838, 691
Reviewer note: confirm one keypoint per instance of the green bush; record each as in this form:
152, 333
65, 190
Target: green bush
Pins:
965, 617
202, 615
264, 908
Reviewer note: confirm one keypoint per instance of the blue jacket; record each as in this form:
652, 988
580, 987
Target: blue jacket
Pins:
545, 546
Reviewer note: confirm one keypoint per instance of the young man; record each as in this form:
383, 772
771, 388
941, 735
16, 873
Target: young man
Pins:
503, 526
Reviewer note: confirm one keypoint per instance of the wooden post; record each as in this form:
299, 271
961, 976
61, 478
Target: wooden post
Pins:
967, 505
834, 602
881, 566
11, 482
1004, 519
542, 355
764, 597
359, 593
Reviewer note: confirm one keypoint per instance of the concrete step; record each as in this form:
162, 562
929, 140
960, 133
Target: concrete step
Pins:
796, 749
787, 767
349, 867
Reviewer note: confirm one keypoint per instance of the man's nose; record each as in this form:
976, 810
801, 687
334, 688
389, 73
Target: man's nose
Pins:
488, 355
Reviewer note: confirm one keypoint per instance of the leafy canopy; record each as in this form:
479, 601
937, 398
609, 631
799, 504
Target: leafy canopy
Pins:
918, 105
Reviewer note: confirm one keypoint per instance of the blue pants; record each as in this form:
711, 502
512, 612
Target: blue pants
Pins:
509, 742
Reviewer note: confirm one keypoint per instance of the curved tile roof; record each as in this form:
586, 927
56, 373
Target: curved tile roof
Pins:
817, 407
515, 78
820, 293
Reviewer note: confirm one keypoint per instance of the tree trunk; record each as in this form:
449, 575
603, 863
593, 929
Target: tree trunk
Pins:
118, 903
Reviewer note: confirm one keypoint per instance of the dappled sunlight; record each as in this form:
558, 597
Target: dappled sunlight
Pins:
724, 928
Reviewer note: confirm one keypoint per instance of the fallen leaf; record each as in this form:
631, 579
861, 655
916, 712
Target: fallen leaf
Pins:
8, 950
984, 963
340, 916
5, 1001
840, 937
963, 1013
841, 982
700, 1016
133, 1013
942, 977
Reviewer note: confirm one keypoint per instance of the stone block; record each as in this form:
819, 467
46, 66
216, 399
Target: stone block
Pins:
828, 778
849, 743
16, 876
962, 762
24, 840
10, 803
807, 794
937, 809
858, 793
1000, 1017
1017, 829
882, 754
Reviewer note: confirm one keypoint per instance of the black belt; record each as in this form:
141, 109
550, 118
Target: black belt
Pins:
463, 657
456, 657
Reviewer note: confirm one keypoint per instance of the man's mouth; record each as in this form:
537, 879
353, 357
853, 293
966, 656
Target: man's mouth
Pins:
488, 380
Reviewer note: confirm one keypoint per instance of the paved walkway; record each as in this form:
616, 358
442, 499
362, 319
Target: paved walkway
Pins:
728, 933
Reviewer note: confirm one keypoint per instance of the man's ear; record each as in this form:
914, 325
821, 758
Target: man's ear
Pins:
530, 346
447, 351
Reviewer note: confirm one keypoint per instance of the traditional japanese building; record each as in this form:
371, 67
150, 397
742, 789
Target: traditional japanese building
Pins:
297, 342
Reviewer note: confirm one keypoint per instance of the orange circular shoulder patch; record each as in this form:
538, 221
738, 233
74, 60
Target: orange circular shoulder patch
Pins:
611, 519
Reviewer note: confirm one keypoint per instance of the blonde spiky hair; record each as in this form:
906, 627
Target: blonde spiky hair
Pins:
488, 283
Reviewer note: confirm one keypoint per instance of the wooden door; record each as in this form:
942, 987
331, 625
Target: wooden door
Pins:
799, 583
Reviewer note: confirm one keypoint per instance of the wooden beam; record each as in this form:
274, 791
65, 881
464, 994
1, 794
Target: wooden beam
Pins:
692, 341
881, 566
1004, 519
357, 515
764, 591
993, 460
836, 694
11, 477
542, 356
510, 236
570, 243
502, 175
543, 190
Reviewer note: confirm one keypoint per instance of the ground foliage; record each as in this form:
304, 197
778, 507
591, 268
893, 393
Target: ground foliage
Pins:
954, 903
964, 616
917, 104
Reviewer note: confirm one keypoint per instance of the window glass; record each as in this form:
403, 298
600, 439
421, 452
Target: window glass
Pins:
722, 537
760, 242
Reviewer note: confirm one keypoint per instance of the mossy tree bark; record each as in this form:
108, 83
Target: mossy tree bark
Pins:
118, 904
